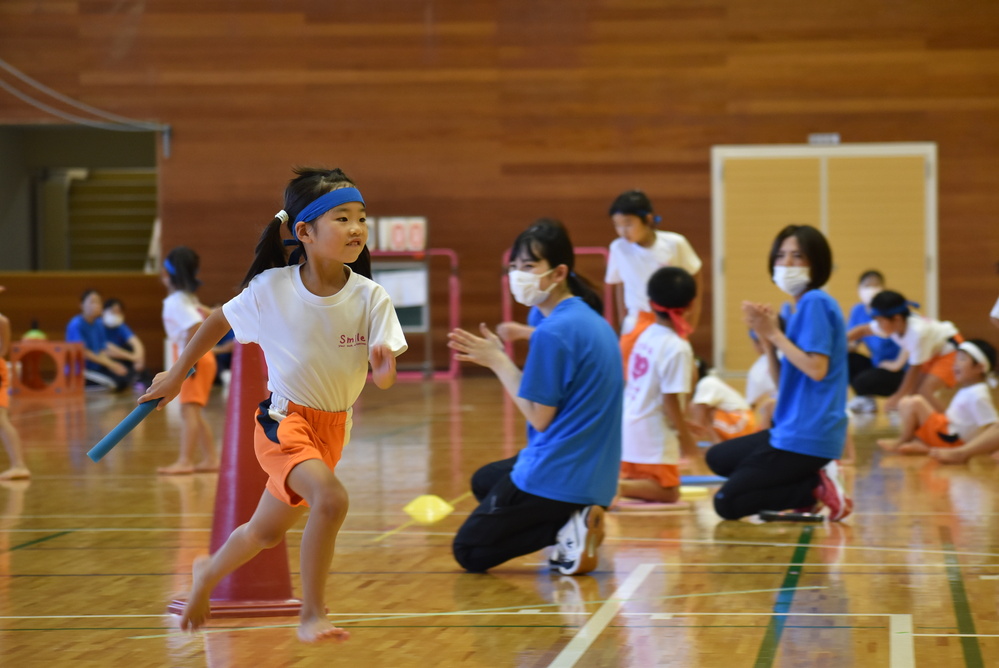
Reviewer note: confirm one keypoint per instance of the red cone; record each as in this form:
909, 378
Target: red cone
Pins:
262, 586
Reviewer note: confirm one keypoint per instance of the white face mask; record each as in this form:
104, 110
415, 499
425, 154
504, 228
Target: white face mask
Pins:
526, 287
792, 280
867, 293
111, 320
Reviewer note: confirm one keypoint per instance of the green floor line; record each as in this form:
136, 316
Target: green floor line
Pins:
768, 648
962, 610
39, 540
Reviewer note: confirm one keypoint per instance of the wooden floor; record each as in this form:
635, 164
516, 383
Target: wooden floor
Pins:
90, 555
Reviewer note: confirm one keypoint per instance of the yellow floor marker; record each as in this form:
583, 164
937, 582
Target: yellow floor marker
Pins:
688, 492
428, 508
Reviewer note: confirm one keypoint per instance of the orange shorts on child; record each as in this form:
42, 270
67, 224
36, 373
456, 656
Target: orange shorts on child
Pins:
304, 434
195, 390
645, 318
730, 424
942, 366
933, 431
4, 384
667, 475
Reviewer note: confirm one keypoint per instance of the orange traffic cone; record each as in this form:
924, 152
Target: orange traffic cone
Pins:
262, 586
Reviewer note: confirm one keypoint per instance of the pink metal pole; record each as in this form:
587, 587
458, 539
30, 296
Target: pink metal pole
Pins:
454, 305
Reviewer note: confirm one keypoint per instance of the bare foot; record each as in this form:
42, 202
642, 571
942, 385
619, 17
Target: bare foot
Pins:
889, 444
198, 607
206, 467
16, 473
318, 629
177, 468
914, 448
949, 455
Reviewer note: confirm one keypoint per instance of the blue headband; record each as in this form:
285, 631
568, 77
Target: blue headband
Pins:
168, 265
330, 200
893, 311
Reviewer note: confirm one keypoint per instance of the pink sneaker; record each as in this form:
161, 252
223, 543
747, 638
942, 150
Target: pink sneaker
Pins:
831, 494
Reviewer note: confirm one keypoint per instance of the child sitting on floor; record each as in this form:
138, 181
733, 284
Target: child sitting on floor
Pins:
660, 371
718, 411
970, 413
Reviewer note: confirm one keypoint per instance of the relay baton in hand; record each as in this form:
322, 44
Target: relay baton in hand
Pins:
131, 420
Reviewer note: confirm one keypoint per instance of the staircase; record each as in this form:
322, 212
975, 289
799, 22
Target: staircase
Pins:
111, 216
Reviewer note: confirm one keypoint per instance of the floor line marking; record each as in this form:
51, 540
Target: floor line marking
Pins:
580, 642
775, 628
39, 540
459, 613
905, 550
901, 646
962, 610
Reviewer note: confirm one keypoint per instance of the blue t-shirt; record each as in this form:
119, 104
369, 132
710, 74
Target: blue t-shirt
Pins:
93, 335
574, 364
881, 349
119, 335
810, 417
535, 316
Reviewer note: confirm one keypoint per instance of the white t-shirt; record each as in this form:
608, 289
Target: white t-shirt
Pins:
970, 409
317, 348
660, 363
924, 338
714, 392
995, 311
180, 313
759, 382
633, 265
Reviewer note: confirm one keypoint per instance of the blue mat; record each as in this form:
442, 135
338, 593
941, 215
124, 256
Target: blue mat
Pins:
702, 480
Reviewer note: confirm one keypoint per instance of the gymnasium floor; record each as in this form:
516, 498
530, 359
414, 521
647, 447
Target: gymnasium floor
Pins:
90, 555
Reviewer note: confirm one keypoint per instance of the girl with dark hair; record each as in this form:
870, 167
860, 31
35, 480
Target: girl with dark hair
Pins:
635, 255
551, 228
555, 490
654, 428
319, 325
182, 316
792, 465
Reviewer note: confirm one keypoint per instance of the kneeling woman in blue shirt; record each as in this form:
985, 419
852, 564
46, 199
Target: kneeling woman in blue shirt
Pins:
792, 465
555, 490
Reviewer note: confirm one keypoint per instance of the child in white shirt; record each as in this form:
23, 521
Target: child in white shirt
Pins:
660, 371
717, 410
970, 413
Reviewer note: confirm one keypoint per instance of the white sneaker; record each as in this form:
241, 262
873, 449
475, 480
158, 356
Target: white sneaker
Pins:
862, 405
576, 545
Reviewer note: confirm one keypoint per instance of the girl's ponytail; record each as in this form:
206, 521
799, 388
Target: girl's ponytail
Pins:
585, 290
269, 252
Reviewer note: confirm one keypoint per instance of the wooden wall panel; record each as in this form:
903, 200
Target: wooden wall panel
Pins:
483, 115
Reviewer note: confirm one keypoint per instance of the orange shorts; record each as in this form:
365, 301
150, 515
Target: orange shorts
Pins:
4, 384
667, 475
933, 431
195, 390
730, 424
304, 434
645, 318
942, 366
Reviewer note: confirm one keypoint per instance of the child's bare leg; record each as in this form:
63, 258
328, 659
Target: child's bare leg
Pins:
210, 457
648, 490
189, 432
12, 444
984, 443
328, 503
266, 528
913, 411
929, 385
